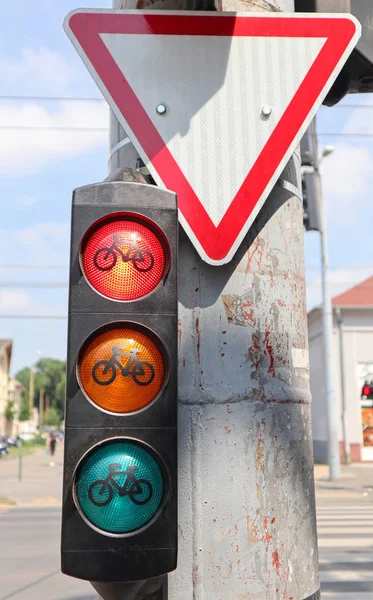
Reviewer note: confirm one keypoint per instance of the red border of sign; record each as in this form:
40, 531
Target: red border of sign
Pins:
217, 241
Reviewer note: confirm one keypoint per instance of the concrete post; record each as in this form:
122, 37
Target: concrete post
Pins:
247, 527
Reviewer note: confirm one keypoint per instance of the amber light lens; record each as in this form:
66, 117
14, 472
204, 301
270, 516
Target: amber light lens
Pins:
123, 259
122, 370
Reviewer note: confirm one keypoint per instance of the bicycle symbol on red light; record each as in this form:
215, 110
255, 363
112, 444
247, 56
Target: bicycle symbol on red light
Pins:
106, 258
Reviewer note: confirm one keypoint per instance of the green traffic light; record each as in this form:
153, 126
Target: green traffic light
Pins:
119, 486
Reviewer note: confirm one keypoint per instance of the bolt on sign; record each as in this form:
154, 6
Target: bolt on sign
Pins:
215, 104
119, 520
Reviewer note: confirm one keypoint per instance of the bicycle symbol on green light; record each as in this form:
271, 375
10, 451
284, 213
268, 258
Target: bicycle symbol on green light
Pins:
139, 491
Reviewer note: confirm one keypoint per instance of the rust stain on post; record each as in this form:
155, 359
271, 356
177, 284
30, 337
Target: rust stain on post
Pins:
198, 331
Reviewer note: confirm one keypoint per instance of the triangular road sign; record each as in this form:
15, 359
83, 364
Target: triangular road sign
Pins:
215, 103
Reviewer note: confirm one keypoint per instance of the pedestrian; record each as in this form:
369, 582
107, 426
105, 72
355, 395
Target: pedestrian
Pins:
51, 445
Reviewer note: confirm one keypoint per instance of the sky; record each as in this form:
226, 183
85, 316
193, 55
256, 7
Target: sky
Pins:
54, 137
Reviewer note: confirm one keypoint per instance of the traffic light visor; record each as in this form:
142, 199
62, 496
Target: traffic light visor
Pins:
119, 486
124, 257
122, 369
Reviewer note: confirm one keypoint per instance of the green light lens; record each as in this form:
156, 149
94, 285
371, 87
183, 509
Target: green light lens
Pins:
119, 486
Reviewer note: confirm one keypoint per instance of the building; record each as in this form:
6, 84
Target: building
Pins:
5, 356
15, 389
353, 346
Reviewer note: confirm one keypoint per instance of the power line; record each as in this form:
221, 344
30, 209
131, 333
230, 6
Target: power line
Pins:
31, 284
47, 98
26, 267
64, 285
47, 317
364, 135
91, 99
63, 128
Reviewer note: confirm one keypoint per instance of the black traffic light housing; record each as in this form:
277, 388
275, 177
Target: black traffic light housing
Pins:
311, 181
86, 551
357, 74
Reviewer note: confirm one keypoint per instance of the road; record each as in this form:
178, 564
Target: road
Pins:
29, 534
29, 566
345, 532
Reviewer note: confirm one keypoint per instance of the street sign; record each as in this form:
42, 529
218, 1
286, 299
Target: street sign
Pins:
119, 514
215, 104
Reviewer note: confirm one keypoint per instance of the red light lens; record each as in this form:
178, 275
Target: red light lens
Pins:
123, 259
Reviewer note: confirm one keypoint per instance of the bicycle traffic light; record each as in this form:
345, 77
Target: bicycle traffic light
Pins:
119, 519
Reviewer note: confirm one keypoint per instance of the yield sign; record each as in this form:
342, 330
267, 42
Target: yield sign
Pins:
237, 91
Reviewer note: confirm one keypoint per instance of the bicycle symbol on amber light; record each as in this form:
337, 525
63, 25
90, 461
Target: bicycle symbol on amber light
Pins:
101, 491
104, 372
106, 258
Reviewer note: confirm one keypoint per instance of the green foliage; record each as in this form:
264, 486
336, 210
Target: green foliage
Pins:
10, 411
50, 375
52, 417
24, 410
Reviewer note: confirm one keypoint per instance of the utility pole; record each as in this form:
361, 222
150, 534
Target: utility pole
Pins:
41, 409
31, 390
247, 526
327, 326
315, 220
346, 441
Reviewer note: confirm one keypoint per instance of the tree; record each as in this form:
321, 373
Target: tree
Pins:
50, 375
52, 417
9, 414
24, 409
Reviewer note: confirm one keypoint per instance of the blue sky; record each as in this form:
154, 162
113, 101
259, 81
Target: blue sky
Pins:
40, 167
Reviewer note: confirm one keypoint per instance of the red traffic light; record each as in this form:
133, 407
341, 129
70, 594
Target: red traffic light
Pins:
367, 390
124, 257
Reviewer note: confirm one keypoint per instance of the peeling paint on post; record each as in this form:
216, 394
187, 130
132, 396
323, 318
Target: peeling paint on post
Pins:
247, 507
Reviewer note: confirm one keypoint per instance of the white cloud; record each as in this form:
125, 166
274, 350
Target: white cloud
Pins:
13, 300
340, 280
40, 68
348, 173
24, 150
22, 303
44, 235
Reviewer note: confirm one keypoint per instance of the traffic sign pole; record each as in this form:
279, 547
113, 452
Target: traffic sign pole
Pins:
247, 524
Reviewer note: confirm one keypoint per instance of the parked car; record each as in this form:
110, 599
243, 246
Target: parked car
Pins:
14, 442
3, 446
26, 436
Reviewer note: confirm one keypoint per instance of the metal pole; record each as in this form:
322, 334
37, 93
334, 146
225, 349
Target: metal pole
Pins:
327, 328
247, 526
41, 410
31, 390
20, 460
346, 442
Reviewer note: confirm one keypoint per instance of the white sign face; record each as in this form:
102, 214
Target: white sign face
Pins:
214, 103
